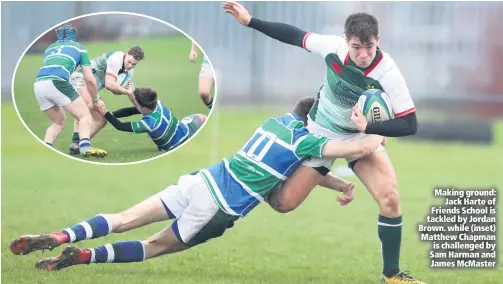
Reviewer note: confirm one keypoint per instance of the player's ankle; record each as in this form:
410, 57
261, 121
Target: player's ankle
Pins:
61, 237
390, 272
84, 256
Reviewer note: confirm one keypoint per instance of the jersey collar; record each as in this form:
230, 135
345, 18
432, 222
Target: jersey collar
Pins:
372, 66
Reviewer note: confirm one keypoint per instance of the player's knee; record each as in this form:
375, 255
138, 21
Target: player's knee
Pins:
389, 201
60, 122
205, 95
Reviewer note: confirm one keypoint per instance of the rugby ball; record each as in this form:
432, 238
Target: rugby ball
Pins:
124, 80
375, 105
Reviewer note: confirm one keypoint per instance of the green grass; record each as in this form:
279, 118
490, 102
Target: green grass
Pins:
166, 68
320, 242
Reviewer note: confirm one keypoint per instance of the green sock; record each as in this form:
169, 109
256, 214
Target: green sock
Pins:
75, 137
390, 233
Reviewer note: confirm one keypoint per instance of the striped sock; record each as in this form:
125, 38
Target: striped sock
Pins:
84, 145
96, 227
130, 251
210, 104
75, 137
390, 233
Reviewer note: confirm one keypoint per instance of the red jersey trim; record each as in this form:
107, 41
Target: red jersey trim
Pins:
304, 41
405, 112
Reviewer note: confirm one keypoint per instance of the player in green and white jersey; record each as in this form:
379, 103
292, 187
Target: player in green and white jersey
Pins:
206, 77
106, 67
54, 93
353, 64
158, 121
208, 202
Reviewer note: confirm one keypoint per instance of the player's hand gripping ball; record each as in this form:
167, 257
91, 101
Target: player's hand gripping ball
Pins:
375, 105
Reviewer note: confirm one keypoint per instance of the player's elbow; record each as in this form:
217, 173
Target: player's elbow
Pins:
285, 208
109, 86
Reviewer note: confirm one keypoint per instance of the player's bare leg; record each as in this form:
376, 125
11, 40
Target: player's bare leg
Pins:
58, 119
97, 123
80, 111
146, 212
377, 174
205, 86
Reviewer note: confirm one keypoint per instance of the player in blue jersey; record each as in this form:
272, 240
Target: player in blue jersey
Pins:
54, 92
158, 121
208, 202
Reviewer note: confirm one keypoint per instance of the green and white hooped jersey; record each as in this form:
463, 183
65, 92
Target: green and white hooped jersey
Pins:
344, 83
274, 152
108, 63
61, 59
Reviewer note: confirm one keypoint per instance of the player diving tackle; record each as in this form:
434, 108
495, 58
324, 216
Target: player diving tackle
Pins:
158, 121
353, 64
206, 203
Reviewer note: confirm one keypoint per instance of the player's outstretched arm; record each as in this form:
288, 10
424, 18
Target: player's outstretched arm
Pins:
353, 149
298, 186
125, 112
294, 190
283, 32
338, 184
117, 124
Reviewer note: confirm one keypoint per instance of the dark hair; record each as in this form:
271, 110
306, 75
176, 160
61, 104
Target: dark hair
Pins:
146, 97
137, 52
303, 106
362, 26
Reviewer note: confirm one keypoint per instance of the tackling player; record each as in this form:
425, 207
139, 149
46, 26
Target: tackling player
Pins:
106, 68
355, 63
206, 77
206, 203
160, 123
54, 92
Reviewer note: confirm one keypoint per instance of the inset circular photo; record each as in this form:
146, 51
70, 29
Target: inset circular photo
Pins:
114, 88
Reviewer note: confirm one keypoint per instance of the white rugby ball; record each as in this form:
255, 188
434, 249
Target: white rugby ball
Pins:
375, 106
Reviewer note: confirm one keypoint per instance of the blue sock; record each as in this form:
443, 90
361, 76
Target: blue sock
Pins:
84, 145
130, 251
96, 227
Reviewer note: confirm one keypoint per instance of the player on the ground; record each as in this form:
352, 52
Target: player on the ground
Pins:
206, 77
158, 121
106, 67
54, 92
207, 202
353, 64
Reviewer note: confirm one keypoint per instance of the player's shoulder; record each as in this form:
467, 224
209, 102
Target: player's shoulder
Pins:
116, 56
385, 64
289, 120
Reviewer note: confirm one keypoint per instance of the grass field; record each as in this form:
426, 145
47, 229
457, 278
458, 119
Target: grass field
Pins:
320, 242
166, 68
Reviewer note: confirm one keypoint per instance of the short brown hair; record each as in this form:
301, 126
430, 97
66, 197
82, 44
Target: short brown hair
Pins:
137, 52
146, 97
362, 26
303, 106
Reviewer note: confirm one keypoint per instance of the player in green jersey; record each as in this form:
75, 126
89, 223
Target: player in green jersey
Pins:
208, 202
355, 63
54, 92
158, 121
206, 77
106, 67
